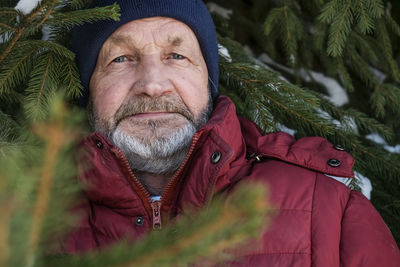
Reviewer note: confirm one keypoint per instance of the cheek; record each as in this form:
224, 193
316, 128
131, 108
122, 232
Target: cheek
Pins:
193, 90
108, 93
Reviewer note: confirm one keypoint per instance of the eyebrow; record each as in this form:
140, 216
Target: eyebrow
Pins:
124, 39
128, 40
176, 41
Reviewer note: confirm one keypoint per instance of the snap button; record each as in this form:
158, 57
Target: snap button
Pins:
99, 144
334, 162
139, 221
339, 147
216, 156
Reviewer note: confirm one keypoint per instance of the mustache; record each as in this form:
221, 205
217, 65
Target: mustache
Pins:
145, 104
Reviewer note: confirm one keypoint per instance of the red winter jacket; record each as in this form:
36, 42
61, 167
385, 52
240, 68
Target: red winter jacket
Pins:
320, 222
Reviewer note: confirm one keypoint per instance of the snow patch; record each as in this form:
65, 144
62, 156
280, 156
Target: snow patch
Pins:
46, 32
267, 60
292, 59
326, 116
378, 74
223, 51
376, 138
348, 122
26, 6
337, 94
344, 180
273, 87
364, 183
4, 37
223, 12
285, 129
351, 124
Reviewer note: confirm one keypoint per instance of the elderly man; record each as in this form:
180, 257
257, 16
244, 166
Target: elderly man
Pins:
164, 140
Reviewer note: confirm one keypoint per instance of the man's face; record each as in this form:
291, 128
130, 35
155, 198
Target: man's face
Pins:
150, 85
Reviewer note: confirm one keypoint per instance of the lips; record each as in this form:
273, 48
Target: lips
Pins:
148, 115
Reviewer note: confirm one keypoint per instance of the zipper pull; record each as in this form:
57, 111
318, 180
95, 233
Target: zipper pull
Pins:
255, 157
156, 206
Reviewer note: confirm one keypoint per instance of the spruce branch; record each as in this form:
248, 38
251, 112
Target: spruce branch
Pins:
13, 41
8, 11
294, 108
378, 102
38, 89
290, 27
344, 74
386, 46
77, 4
55, 138
27, 22
365, 46
71, 80
340, 29
361, 67
365, 21
17, 67
272, 20
394, 26
386, 95
329, 11
364, 123
78, 17
3, 25
376, 8
15, 72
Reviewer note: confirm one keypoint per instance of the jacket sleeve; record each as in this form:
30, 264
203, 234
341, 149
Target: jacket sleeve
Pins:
365, 239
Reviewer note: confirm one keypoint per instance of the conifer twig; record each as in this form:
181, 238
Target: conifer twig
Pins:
292, 111
7, 26
335, 40
21, 30
45, 74
2, 82
54, 137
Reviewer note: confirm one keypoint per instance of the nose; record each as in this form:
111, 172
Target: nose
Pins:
153, 80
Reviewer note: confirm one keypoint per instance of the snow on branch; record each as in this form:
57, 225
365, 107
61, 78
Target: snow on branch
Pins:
26, 6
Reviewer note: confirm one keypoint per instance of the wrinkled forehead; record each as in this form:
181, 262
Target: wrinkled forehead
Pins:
159, 30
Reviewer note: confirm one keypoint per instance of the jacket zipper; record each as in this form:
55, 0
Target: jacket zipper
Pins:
172, 183
143, 193
154, 208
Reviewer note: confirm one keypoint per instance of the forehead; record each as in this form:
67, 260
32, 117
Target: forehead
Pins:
158, 29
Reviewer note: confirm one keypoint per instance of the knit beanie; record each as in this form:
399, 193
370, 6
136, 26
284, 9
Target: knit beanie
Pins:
88, 38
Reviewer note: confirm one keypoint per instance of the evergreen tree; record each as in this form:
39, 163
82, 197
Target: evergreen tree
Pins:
288, 55
273, 55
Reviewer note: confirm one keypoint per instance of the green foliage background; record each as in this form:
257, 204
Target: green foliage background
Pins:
346, 40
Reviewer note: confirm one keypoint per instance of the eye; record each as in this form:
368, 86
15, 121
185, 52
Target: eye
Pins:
177, 56
119, 59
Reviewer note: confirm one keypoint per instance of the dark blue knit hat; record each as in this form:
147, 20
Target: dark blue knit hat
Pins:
88, 39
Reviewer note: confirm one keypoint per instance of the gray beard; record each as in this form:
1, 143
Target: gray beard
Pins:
161, 155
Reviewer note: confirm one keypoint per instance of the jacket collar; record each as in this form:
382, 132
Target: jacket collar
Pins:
220, 144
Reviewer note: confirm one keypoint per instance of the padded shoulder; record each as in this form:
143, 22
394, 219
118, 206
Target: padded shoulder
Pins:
315, 153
